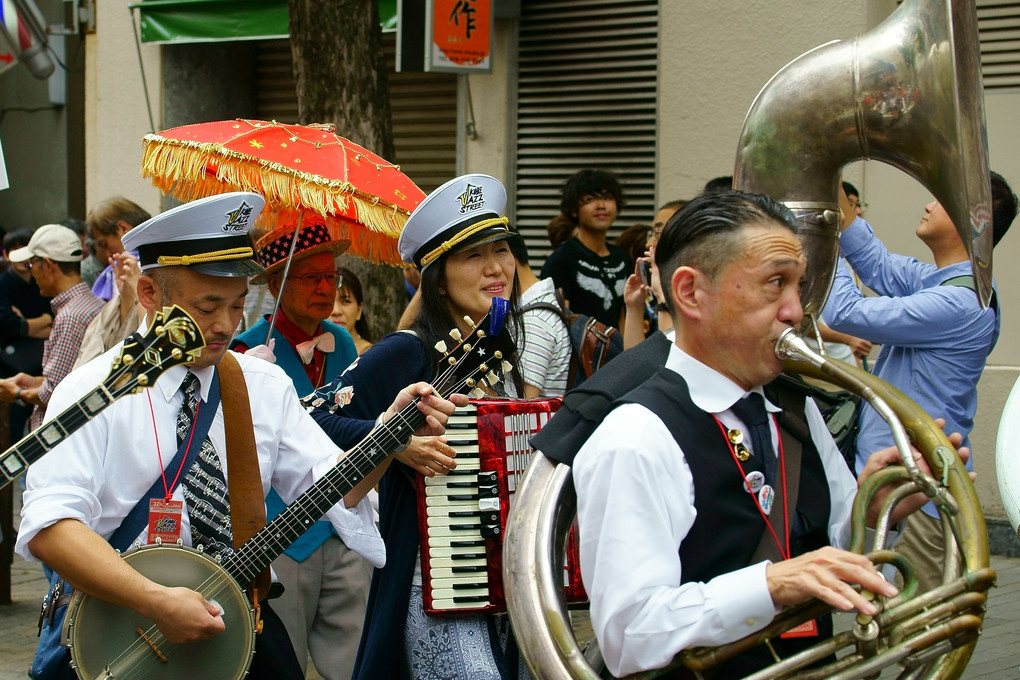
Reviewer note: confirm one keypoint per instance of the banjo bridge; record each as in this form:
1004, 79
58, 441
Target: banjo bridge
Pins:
152, 645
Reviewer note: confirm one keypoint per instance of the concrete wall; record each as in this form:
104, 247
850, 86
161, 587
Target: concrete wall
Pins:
493, 97
206, 82
116, 115
712, 64
215, 70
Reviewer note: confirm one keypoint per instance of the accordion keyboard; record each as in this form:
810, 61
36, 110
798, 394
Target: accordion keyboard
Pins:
462, 514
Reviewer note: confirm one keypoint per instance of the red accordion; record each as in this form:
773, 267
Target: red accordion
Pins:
462, 515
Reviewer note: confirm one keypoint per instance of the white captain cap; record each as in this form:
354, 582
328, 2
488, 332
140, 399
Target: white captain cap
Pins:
463, 213
209, 235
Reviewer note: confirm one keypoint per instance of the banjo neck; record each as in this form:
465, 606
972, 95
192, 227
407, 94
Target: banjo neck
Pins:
173, 338
38, 442
245, 563
467, 364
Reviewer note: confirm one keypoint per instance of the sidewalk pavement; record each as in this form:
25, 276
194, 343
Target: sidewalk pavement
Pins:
997, 656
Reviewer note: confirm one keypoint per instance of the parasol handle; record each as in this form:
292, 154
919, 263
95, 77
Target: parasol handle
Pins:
283, 282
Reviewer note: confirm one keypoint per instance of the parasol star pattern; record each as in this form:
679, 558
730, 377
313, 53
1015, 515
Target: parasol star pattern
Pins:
298, 169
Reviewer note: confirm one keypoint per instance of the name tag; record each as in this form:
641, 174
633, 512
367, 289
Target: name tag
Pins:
165, 520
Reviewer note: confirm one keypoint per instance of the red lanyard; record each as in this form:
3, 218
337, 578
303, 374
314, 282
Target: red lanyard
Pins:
757, 503
191, 434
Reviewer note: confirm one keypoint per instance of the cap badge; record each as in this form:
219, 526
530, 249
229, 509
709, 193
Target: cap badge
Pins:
472, 199
237, 220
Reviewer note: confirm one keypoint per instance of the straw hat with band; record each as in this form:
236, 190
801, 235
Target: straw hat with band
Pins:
314, 236
463, 213
209, 236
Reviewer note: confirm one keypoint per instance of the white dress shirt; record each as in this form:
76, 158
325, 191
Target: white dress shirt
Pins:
100, 471
635, 506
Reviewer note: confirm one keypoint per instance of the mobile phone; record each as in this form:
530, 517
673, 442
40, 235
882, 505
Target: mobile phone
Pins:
645, 272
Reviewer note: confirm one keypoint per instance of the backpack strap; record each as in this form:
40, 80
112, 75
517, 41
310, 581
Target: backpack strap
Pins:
967, 281
547, 306
566, 318
247, 498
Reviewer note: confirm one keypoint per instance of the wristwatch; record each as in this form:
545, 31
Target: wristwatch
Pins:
17, 398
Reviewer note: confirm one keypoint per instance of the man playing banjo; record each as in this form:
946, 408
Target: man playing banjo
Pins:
197, 256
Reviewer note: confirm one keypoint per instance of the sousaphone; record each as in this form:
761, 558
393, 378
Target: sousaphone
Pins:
909, 94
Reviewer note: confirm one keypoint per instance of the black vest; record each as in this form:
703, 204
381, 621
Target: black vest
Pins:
724, 508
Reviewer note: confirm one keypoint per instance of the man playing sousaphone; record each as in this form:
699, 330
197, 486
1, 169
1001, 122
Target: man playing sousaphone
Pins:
84, 492
700, 517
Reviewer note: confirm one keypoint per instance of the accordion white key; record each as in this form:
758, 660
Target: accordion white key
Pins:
462, 515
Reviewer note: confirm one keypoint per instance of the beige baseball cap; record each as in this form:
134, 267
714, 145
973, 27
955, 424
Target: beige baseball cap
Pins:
52, 241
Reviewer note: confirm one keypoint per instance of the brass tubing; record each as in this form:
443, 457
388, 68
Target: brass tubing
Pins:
979, 581
960, 604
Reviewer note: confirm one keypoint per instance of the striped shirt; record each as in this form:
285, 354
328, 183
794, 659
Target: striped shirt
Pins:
72, 311
545, 356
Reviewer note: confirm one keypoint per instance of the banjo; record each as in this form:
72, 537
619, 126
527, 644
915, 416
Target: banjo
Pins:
108, 642
172, 339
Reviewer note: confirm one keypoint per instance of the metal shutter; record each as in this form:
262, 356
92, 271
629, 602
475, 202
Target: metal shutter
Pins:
424, 109
999, 31
586, 98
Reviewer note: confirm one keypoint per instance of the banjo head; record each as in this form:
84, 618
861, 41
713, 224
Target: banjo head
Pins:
104, 636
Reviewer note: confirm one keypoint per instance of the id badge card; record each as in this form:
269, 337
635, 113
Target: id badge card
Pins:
165, 520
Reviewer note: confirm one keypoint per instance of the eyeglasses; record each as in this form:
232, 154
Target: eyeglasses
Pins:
314, 278
31, 263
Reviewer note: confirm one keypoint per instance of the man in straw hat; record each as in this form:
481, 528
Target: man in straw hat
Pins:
323, 607
82, 493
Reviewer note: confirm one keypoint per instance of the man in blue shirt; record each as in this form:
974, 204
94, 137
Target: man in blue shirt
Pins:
935, 337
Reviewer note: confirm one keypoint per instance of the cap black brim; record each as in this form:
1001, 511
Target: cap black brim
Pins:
229, 268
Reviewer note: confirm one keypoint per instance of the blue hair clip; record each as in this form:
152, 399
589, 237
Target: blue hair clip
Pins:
497, 315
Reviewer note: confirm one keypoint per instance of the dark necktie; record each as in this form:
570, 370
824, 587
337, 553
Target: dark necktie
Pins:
205, 490
751, 410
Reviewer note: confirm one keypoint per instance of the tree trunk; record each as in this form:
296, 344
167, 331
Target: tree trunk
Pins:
341, 79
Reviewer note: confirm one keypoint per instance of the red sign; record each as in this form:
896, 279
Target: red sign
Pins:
461, 35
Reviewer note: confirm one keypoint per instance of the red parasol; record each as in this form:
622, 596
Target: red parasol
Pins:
297, 168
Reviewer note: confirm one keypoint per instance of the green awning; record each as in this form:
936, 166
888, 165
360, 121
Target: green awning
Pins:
182, 21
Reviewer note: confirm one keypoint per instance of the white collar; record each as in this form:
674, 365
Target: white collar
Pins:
711, 391
170, 382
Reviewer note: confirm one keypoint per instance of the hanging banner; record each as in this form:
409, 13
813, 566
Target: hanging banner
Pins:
459, 36
187, 21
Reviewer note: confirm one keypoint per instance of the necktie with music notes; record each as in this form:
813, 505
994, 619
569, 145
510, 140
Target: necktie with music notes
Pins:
205, 489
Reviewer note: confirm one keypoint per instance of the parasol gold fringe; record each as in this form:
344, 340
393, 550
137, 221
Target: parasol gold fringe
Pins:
180, 168
180, 161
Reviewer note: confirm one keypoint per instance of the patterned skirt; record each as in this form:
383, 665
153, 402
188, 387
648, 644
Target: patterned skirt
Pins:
470, 647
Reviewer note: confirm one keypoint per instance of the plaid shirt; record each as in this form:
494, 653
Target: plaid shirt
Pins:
72, 311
